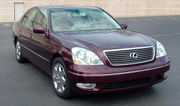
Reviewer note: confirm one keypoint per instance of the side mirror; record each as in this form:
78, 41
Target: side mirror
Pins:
39, 30
124, 26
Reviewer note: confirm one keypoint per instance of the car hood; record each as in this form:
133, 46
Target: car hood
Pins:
109, 39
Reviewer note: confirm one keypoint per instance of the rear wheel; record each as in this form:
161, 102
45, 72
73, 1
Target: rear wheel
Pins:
18, 53
60, 79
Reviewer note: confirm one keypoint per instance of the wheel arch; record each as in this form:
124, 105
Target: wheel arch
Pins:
15, 40
54, 56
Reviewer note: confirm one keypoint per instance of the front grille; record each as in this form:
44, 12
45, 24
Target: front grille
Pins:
132, 83
119, 57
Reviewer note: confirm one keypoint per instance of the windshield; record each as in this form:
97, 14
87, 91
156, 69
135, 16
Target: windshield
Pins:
81, 19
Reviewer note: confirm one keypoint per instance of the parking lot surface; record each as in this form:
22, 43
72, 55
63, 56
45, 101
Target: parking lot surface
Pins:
26, 85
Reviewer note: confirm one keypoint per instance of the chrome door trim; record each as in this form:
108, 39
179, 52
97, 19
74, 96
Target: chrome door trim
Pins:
34, 52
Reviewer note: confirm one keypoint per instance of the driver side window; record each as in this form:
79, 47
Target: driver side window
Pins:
40, 20
29, 18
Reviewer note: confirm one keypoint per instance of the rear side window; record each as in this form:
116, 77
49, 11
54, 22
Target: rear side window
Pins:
29, 18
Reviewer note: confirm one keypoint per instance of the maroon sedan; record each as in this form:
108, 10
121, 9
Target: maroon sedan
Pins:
85, 50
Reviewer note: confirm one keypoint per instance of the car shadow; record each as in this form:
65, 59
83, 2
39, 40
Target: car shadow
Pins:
100, 98
122, 96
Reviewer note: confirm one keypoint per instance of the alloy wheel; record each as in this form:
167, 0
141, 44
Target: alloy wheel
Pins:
18, 50
59, 78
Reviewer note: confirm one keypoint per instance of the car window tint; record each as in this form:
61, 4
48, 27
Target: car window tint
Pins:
81, 19
40, 20
29, 18
44, 12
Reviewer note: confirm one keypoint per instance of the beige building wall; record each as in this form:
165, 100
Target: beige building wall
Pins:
117, 8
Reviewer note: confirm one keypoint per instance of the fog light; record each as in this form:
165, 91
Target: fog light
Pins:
86, 85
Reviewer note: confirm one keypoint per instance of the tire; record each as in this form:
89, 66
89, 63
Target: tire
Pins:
18, 53
60, 79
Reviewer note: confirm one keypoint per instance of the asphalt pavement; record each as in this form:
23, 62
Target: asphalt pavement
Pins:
26, 85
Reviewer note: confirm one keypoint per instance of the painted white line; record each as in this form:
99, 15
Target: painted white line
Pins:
161, 35
148, 19
6, 25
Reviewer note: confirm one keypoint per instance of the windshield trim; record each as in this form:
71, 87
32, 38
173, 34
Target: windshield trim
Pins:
89, 30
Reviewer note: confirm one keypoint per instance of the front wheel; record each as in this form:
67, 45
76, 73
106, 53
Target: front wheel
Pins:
18, 53
60, 79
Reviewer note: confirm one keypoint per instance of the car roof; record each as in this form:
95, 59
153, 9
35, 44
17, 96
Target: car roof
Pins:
47, 7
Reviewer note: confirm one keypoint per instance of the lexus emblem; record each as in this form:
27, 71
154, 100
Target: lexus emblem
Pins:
133, 55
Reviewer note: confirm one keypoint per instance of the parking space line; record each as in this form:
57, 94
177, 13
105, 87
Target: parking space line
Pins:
161, 35
6, 25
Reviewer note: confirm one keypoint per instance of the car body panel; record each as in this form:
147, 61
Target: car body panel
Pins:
106, 40
101, 80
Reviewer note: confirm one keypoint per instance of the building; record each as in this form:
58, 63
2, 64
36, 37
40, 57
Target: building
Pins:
12, 10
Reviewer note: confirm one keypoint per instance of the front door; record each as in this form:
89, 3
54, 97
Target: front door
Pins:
40, 43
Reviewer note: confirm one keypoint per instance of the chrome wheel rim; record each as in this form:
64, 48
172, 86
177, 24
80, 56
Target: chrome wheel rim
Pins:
59, 80
18, 50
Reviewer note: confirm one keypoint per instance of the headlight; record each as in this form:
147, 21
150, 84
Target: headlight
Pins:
160, 52
83, 56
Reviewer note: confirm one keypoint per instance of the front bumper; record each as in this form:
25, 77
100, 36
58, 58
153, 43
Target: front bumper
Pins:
126, 78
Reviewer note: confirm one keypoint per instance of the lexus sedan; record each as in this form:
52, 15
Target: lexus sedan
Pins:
86, 50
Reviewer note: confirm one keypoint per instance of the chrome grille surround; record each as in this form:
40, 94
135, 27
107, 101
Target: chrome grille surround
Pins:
129, 49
